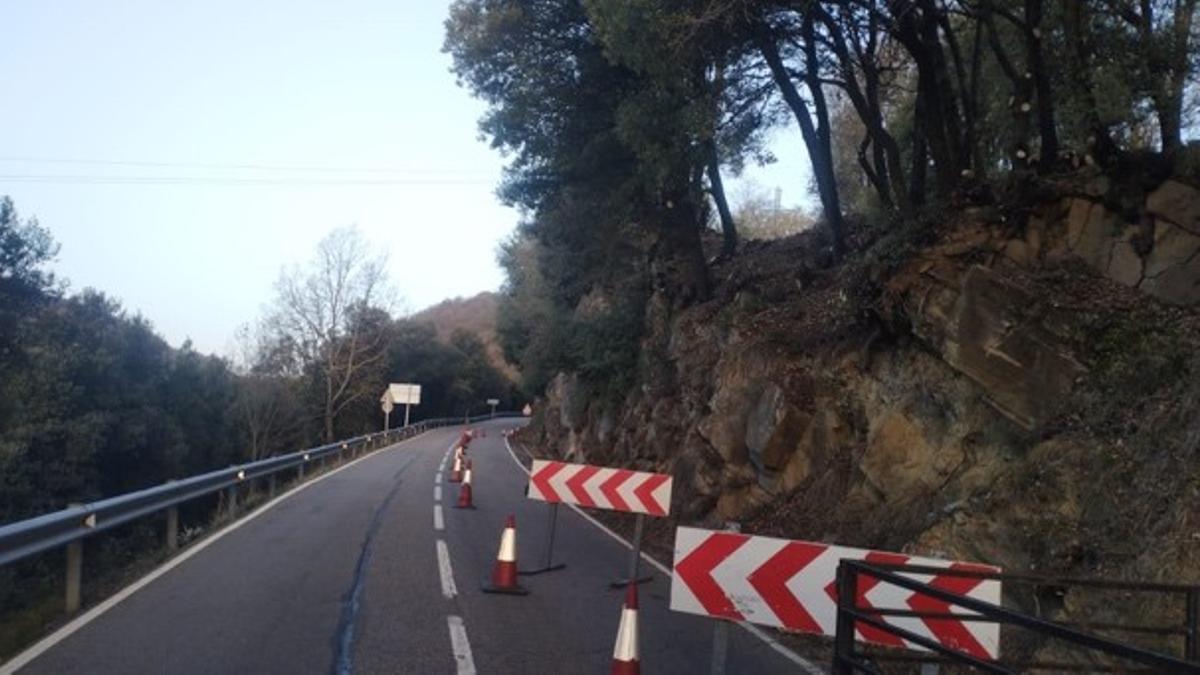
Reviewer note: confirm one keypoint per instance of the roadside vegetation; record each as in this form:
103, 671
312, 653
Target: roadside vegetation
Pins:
94, 403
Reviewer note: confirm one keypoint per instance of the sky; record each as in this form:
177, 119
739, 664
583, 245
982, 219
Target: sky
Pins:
184, 153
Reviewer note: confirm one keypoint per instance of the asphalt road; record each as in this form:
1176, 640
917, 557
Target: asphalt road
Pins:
344, 577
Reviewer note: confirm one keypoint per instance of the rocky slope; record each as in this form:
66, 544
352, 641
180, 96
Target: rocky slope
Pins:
1017, 387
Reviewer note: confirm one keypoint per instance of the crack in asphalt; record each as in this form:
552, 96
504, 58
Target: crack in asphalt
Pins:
343, 648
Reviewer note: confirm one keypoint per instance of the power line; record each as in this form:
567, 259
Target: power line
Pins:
96, 179
221, 166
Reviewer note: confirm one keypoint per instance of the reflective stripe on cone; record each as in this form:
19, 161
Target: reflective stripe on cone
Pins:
504, 574
626, 660
464, 491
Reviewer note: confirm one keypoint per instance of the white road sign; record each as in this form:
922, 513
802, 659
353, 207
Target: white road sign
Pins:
403, 394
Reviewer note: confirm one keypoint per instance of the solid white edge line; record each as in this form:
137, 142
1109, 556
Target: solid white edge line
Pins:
460, 645
439, 523
45, 644
792, 656
445, 572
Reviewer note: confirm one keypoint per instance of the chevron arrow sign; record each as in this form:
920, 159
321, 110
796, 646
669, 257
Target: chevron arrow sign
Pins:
791, 585
600, 487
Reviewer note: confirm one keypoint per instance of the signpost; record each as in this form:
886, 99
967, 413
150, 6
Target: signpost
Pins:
387, 411
493, 402
399, 394
792, 585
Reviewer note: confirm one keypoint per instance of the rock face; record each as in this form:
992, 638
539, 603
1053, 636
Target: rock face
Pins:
1176, 203
1085, 229
1016, 401
991, 330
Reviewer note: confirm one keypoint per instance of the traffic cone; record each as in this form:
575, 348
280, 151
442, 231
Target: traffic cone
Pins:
464, 490
625, 653
457, 471
504, 574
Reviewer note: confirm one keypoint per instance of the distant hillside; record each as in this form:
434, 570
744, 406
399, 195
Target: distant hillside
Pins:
476, 314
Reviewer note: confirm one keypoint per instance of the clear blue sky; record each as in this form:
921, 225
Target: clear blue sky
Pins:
348, 85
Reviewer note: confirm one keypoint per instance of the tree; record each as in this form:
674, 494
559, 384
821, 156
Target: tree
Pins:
25, 248
266, 397
324, 320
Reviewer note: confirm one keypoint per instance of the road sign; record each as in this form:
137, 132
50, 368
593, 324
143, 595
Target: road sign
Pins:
791, 585
600, 487
493, 402
404, 394
399, 394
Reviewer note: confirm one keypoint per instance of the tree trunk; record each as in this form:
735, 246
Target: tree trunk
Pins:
889, 178
1169, 103
820, 157
678, 256
920, 159
1047, 129
729, 240
918, 32
1103, 149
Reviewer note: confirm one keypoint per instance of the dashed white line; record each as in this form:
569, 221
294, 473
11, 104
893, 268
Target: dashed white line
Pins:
460, 645
437, 493
438, 523
446, 573
437, 478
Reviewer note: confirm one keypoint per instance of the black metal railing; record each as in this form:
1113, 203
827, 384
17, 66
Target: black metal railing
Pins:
850, 658
70, 526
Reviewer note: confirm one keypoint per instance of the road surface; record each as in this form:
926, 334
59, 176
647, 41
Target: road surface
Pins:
372, 570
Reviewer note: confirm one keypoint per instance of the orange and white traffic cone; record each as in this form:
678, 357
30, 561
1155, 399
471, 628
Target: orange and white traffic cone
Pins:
504, 574
625, 654
457, 472
464, 490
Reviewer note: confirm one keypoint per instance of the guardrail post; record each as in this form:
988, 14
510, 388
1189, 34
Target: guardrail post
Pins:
74, 575
271, 486
1192, 641
172, 529
843, 641
74, 571
231, 497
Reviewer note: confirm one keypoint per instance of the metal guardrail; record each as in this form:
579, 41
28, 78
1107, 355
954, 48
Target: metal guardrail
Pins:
71, 525
848, 659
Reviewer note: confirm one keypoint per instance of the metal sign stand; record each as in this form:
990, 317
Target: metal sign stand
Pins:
720, 652
634, 557
550, 566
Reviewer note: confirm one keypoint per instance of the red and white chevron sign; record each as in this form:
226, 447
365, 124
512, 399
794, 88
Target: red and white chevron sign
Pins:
600, 487
791, 585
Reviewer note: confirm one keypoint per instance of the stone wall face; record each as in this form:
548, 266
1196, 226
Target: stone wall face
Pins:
1159, 256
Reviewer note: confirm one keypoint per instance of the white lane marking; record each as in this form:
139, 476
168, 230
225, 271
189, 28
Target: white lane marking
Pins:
792, 656
437, 493
437, 478
460, 646
438, 523
445, 572
45, 644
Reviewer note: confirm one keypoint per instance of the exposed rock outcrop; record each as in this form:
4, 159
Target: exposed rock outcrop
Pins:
1021, 397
